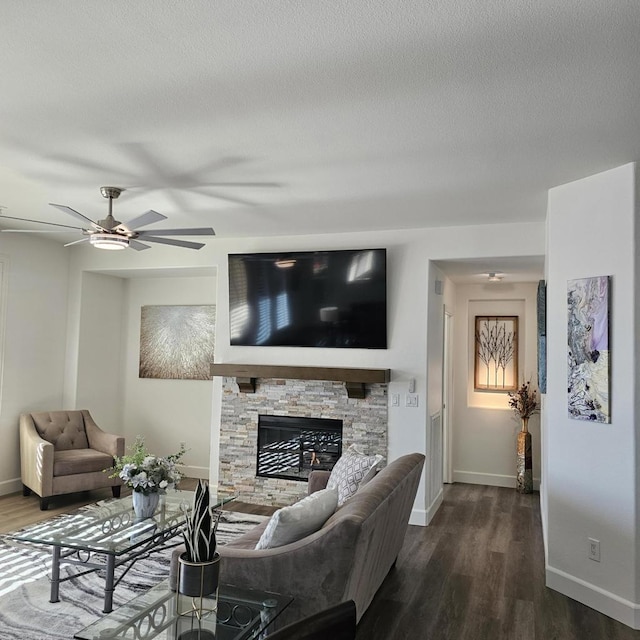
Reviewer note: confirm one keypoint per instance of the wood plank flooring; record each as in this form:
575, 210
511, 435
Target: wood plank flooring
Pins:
17, 511
476, 573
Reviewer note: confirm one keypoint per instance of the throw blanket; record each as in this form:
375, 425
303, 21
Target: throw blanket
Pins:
25, 610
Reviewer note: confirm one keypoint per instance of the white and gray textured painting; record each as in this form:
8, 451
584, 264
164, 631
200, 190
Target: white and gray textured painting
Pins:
177, 341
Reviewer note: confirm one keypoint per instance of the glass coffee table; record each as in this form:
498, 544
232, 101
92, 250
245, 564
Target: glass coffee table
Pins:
240, 614
107, 535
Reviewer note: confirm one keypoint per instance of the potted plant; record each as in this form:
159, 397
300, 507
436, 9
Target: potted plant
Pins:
199, 565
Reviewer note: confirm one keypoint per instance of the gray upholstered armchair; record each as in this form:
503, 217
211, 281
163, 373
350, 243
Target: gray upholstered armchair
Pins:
64, 452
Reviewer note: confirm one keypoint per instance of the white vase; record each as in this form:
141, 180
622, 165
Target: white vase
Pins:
144, 506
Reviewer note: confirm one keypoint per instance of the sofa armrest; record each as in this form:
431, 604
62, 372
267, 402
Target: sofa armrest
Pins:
101, 440
318, 480
36, 458
315, 570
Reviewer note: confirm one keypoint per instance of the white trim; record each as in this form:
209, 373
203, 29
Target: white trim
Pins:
592, 596
490, 479
189, 471
4, 288
10, 486
418, 517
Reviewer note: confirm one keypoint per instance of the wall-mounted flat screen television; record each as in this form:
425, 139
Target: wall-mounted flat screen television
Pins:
309, 299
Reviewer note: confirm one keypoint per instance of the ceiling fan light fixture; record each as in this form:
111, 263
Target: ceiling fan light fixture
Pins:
109, 241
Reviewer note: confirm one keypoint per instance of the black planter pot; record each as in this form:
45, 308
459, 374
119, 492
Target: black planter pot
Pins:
198, 579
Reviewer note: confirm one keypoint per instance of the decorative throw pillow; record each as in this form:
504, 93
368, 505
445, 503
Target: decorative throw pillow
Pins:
299, 520
352, 470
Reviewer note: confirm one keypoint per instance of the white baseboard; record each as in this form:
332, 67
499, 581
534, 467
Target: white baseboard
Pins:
490, 479
195, 472
592, 596
10, 486
418, 517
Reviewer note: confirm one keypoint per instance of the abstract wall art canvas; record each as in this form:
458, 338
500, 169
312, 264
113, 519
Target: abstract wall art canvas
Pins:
588, 349
496, 353
541, 313
177, 341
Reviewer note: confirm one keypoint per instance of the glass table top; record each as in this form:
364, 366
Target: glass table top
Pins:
111, 526
240, 614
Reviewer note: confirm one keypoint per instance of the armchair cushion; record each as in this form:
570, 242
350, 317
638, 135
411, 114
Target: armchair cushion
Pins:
73, 461
63, 429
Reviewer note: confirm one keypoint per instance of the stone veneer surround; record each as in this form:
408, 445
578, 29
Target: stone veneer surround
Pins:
364, 424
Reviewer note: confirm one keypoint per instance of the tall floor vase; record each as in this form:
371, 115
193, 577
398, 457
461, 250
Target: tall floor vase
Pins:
524, 466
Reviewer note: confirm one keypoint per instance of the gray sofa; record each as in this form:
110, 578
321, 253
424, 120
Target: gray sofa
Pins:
347, 559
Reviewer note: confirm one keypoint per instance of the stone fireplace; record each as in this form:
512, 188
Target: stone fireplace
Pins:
364, 423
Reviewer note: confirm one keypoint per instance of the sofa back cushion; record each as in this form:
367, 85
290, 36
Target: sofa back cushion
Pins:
299, 520
63, 429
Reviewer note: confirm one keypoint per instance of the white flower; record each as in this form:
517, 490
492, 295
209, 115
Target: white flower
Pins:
163, 484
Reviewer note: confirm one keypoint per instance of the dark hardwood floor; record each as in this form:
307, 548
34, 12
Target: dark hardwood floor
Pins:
477, 573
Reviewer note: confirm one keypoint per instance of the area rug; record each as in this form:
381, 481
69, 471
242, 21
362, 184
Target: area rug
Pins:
25, 610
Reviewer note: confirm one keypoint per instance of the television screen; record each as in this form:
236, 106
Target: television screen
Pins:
309, 299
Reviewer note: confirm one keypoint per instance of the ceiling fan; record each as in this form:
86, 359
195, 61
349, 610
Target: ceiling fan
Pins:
113, 234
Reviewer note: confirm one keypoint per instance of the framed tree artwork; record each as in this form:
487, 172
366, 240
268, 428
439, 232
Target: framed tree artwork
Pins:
496, 353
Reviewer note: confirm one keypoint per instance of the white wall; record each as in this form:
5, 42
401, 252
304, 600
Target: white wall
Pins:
167, 412
484, 427
100, 350
591, 481
33, 328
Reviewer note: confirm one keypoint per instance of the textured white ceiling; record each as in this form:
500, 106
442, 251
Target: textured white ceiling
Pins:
367, 114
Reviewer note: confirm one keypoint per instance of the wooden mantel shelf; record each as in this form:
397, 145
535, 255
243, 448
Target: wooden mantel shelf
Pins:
354, 379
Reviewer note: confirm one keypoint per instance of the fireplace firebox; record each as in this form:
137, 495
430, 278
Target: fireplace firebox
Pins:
291, 447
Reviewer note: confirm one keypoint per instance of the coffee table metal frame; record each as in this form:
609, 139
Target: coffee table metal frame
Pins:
240, 614
107, 535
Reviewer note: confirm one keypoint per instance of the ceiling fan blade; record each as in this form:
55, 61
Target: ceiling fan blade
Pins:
218, 196
176, 243
33, 231
53, 224
144, 219
77, 242
76, 214
241, 184
198, 231
138, 246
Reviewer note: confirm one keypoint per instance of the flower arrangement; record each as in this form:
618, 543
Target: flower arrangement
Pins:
147, 473
524, 401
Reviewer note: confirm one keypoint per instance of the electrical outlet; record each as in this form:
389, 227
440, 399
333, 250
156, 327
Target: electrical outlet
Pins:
411, 400
395, 399
594, 549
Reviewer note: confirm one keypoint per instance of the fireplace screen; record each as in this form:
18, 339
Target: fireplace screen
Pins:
291, 447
